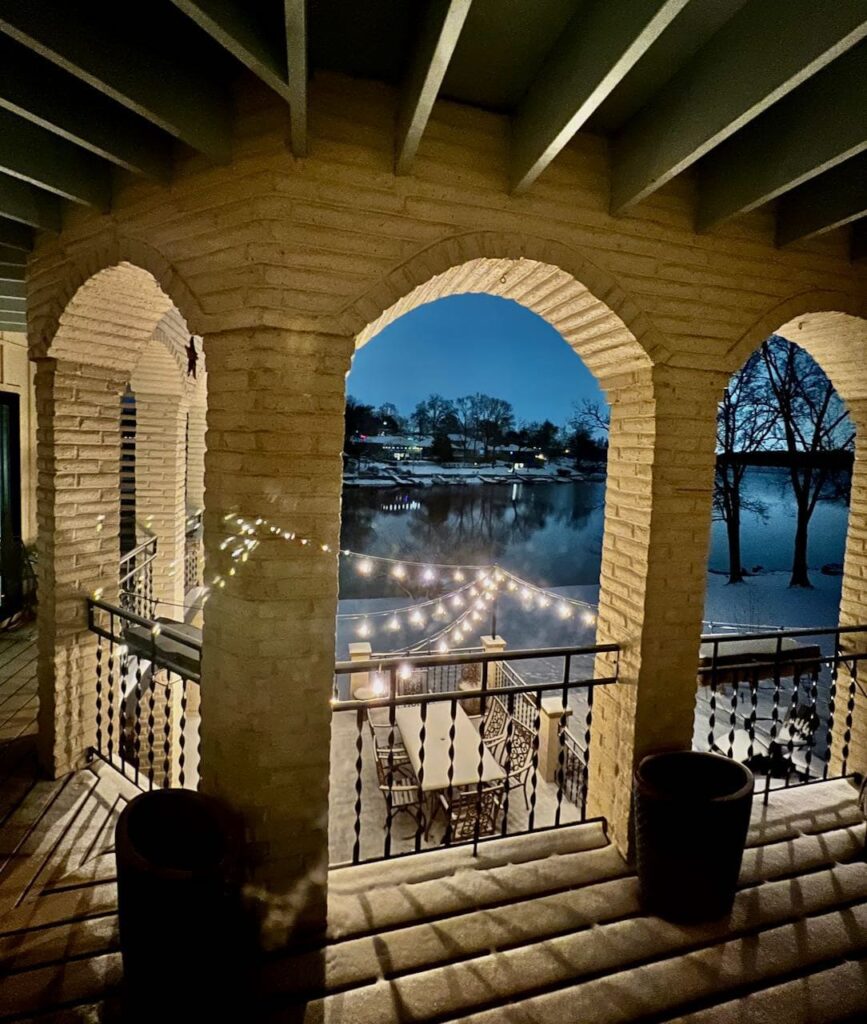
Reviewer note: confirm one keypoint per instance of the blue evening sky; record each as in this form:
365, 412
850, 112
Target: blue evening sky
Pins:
467, 343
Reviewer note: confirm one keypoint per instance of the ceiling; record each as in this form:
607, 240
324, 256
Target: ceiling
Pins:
763, 99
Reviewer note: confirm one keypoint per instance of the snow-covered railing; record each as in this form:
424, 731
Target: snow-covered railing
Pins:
781, 700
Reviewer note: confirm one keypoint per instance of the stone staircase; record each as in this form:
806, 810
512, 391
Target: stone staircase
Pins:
537, 928
547, 928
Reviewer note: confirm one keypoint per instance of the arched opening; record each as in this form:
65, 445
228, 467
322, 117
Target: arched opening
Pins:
422, 616
787, 431
120, 344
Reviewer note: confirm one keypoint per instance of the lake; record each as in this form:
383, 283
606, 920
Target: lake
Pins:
551, 533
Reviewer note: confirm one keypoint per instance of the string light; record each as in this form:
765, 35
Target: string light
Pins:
481, 591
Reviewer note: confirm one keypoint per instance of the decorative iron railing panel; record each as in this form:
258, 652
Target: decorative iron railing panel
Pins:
438, 767
192, 551
780, 701
147, 682
136, 579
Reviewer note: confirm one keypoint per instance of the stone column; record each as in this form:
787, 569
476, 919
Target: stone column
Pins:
553, 713
78, 505
493, 645
654, 564
159, 499
358, 680
275, 434
849, 737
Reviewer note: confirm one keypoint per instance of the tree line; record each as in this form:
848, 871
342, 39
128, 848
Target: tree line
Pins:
780, 402
481, 423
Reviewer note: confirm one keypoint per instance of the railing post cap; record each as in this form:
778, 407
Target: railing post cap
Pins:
493, 643
553, 707
360, 651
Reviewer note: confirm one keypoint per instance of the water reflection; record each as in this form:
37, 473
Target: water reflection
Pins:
549, 532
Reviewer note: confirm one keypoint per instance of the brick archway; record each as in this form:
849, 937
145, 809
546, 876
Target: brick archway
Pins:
832, 327
554, 280
119, 327
660, 469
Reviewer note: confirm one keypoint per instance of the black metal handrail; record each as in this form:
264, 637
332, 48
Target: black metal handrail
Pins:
469, 755
518, 654
778, 710
142, 694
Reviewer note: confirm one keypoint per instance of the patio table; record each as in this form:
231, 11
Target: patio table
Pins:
436, 747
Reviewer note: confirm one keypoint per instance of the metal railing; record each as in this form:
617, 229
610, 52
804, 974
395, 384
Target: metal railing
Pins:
460, 766
136, 578
781, 701
147, 679
192, 551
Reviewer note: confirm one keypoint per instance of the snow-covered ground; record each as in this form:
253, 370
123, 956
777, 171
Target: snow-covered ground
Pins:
768, 600
760, 601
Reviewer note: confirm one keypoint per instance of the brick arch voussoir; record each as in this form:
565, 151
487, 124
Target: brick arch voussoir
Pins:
800, 318
456, 250
45, 312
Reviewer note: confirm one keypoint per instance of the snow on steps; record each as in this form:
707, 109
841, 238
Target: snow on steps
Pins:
562, 938
58, 899
538, 928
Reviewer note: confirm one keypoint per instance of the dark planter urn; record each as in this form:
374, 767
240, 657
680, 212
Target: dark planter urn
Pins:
692, 812
182, 935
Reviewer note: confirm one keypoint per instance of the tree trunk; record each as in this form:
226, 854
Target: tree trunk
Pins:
800, 577
733, 529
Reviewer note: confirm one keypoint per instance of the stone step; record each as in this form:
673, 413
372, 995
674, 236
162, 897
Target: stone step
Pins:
823, 997
377, 909
436, 898
474, 934
69, 982
38, 947
717, 973
491, 853
470, 975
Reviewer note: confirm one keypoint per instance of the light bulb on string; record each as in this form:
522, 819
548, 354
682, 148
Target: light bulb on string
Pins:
364, 629
428, 576
393, 624
440, 610
589, 618
443, 647
458, 601
405, 671
365, 567
416, 618
564, 611
399, 572
458, 577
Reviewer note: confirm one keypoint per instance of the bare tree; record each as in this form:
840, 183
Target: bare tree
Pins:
743, 424
812, 421
434, 415
592, 416
483, 420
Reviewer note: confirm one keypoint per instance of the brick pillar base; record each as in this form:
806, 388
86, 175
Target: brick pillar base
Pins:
654, 563
275, 433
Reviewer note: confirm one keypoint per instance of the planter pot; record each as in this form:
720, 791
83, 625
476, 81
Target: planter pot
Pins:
178, 888
692, 811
